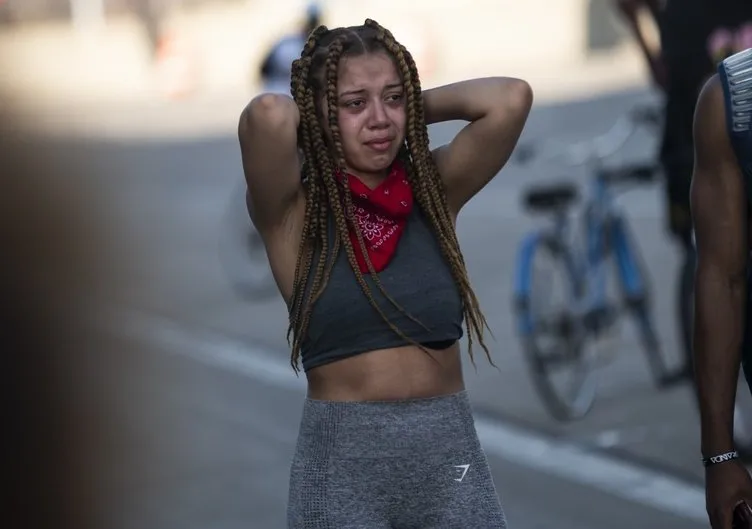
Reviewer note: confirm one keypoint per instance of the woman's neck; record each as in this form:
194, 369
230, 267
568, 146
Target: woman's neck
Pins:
369, 179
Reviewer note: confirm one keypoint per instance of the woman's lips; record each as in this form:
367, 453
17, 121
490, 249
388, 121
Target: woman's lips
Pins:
380, 145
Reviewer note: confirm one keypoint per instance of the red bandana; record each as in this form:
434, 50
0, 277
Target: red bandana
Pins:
381, 215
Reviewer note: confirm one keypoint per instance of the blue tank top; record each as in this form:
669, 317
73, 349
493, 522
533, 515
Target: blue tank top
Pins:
735, 74
343, 323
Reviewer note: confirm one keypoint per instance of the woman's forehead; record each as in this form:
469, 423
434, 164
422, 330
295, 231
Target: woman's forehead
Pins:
368, 72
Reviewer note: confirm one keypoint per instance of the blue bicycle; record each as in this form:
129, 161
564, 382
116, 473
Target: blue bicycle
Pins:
564, 338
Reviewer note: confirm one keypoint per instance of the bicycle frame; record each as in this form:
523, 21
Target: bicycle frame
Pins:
606, 226
606, 234
590, 310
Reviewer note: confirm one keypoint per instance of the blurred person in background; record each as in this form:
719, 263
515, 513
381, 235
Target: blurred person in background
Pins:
723, 335
276, 68
151, 14
685, 59
363, 247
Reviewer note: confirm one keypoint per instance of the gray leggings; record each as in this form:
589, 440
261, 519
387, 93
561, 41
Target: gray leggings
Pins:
414, 464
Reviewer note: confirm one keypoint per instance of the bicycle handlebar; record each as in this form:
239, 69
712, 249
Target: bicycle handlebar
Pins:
593, 149
644, 172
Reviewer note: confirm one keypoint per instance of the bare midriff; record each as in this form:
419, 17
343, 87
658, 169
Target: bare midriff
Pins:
389, 374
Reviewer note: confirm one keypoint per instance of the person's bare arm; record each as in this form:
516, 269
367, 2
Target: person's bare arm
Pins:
497, 109
629, 9
654, 7
268, 142
653, 57
719, 210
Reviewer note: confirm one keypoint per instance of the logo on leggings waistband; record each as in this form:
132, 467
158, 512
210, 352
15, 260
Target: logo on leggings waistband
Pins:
464, 469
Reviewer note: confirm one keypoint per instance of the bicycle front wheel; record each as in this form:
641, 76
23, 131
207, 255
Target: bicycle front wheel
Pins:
242, 253
553, 335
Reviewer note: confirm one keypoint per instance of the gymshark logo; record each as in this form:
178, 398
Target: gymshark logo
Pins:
464, 471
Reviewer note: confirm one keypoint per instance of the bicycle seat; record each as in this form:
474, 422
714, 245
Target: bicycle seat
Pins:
644, 172
550, 197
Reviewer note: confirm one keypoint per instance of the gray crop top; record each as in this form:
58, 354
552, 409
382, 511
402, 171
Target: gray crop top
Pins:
343, 323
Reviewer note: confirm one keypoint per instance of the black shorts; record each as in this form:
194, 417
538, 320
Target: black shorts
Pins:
678, 211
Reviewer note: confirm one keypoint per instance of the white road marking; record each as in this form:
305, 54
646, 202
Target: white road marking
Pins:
513, 444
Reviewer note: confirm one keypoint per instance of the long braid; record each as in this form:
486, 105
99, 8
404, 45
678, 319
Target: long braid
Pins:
332, 71
315, 208
329, 206
317, 151
303, 266
429, 188
338, 195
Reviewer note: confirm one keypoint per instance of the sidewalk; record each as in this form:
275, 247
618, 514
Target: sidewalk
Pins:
634, 419
187, 280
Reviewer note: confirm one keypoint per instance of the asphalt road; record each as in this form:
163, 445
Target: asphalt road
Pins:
212, 409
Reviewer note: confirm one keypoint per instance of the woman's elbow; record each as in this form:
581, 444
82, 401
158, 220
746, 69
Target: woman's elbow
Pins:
508, 102
516, 98
271, 113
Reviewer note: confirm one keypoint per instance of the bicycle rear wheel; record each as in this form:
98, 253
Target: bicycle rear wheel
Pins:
242, 253
554, 341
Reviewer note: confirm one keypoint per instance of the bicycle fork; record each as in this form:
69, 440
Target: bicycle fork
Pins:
637, 301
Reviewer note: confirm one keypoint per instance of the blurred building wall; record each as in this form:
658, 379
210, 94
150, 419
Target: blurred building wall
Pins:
218, 46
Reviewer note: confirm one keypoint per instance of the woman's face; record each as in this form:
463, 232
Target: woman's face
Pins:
371, 104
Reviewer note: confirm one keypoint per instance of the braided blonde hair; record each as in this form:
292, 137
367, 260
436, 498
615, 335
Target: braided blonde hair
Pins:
314, 76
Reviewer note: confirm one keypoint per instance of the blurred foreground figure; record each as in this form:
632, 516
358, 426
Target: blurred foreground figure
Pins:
52, 259
722, 335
